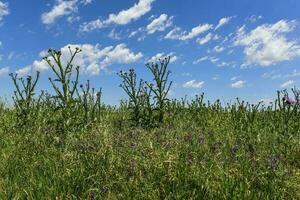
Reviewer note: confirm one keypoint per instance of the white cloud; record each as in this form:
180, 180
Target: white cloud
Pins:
3, 10
267, 44
238, 84
174, 34
61, 8
287, 84
254, 18
24, 71
218, 49
272, 75
86, 2
206, 58
215, 78
93, 59
158, 56
234, 78
113, 35
72, 19
40, 65
178, 34
223, 21
120, 55
92, 25
205, 39
122, 18
295, 73
202, 59
4, 71
193, 84
159, 24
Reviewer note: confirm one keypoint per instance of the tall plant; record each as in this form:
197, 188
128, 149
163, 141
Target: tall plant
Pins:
134, 90
66, 87
23, 98
161, 86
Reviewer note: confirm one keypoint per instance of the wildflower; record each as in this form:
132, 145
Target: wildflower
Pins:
289, 100
103, 189
274, 162
188, 137
133, 145
234, 151
190, 158
92, 196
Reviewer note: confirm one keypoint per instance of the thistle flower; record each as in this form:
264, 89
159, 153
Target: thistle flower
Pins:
289, 100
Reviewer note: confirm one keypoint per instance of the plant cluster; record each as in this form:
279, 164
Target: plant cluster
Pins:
148, 101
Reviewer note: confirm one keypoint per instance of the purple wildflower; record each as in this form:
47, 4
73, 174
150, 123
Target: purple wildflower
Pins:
92, 196
289, 100
133, 145
103, 189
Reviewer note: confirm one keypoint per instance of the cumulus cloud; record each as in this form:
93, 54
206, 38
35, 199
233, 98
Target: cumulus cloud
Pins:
120, 55
223, 21
122, 18
24, 71
160, 23
287, 84
178, 34
63, 8
205, 39
93, 58
4, 71
3, 10
158, 56
238, 84
60, 9
193, 84
267, 44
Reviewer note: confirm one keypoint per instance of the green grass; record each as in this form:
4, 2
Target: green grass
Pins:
196, 154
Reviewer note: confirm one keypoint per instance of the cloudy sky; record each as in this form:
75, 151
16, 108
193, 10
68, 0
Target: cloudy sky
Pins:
226, 49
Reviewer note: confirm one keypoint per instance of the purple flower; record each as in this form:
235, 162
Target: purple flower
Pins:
92, 196
289, 100
133, 145
103, 189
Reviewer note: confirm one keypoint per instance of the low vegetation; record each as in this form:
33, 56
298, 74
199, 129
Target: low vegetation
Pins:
69, 145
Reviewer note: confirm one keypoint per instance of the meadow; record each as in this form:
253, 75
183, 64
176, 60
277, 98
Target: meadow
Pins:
69, 145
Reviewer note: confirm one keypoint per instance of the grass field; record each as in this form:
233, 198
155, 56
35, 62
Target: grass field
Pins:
69, 145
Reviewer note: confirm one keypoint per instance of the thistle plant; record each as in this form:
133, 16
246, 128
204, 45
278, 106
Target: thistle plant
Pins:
66, 87
90, 100
23, 98
161, 86
134, 90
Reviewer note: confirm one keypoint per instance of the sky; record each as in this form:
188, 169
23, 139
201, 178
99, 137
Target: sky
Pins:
226, 49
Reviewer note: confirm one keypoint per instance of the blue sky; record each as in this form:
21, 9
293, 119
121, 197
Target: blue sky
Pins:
226, 49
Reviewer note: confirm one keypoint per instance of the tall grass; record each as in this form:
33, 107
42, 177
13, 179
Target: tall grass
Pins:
69, 145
